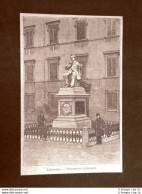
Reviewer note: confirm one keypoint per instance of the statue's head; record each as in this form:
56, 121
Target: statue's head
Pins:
73, 57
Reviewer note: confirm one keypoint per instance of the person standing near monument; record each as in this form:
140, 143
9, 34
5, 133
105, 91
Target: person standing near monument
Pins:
99, 126
72, 68
41, 119
41, 124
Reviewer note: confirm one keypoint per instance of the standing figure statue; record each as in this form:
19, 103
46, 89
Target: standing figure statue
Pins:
72, 73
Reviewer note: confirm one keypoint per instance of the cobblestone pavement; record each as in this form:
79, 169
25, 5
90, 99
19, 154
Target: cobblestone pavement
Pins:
44, 153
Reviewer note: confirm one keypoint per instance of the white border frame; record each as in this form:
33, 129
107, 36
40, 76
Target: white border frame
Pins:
34, 170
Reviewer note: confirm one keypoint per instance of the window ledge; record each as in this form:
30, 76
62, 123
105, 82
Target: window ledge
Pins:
110, 77
53, 80
82, 40
53, 44
112, 36
109, 110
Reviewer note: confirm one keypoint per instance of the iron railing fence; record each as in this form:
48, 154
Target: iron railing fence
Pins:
110, 129
69, 135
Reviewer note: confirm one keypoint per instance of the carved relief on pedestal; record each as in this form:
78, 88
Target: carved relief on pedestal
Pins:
66, 108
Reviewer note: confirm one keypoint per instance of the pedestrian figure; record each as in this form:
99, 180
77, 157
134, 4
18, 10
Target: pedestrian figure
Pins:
41, 124
99, 127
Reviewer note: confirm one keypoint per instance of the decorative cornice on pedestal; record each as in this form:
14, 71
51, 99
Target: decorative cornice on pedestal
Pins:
75, 91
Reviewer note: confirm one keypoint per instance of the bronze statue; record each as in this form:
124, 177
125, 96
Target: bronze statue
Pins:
72, 73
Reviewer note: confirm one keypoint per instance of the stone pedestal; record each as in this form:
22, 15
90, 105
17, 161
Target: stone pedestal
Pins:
72, 106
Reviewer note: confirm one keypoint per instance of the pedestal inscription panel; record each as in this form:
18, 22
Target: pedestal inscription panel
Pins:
65, 108
79, 107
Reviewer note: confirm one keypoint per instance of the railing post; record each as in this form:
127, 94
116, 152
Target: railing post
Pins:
85, 138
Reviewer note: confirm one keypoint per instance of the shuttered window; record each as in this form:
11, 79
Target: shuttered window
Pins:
112, 65
82, 60
53, 28
29, 102
29, 73
111, 27
29, 38
81, 30
53, 103
53, 71
53, 34
111, 100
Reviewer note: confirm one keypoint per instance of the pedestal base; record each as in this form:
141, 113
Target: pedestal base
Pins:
72, 122
72, 106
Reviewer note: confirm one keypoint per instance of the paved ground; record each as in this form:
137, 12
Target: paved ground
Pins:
43, 153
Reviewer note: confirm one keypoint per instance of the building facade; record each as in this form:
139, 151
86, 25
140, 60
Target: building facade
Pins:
48, 44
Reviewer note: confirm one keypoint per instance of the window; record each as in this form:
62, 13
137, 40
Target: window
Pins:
29, 36
81, 30
82, 59
29, 102
53, 102
29, 70
112, 63
53, 71
112, 100
53, 34
111, 27
52, 28
53, 68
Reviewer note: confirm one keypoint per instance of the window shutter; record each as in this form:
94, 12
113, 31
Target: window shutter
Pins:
53, 101
82, 60
29, 35
109, 27
53, 71
31, 102
29, 73
31, 38
113, 27
114, 100
109, 100
55, 34
113, 67
51, 35
108, 66
80, 30
28, 39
